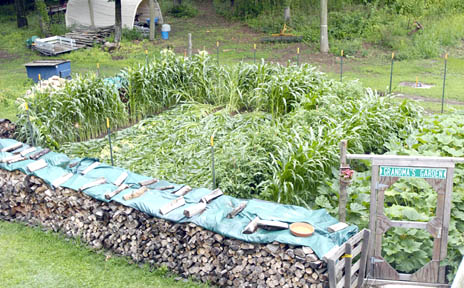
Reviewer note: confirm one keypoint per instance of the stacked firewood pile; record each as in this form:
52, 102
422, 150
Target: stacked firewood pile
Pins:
89, 37
186, 249
7, 128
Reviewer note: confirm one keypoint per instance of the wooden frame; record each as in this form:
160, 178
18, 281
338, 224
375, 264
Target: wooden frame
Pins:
431, 274
343, 273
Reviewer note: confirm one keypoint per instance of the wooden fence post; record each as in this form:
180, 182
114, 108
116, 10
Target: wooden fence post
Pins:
343, 183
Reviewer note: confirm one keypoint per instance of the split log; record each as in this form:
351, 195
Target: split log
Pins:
59, 181
12, 147
39, 154
121, 179
195, 209
37, 165
165, 187
90, 168
174, 204
27, 151
137, 193
237, 210
252, 226
116, 192
213, 195
148, 182
182, 191
97, 182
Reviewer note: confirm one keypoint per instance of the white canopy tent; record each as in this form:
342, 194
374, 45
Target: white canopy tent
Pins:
101, 12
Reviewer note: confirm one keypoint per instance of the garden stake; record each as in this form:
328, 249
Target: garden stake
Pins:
444, 82
341, 66
30, 125
212, 162
417, 81
146, 56
217, 51
298, 56
391, 73
109, 139
98, 69
254, 52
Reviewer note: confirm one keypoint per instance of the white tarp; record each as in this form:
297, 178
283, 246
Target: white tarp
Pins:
78, 12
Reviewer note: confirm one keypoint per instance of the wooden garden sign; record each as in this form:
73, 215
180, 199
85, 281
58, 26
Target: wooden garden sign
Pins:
386, 170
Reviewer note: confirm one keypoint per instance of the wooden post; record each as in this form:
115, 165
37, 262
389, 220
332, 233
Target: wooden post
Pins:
92, 17
152, 20
212, 162
391, 73
190, 45
254, 53
343, 184
324, 30
341, 66
444, 83
109, 139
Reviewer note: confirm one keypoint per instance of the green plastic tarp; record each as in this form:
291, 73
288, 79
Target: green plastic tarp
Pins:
213, 218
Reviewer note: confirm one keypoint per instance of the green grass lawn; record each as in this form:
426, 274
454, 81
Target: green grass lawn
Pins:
30, 257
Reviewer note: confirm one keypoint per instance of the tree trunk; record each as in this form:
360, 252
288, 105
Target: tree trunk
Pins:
287, 14
92, 15
118, 22
152, 19
324, 32
21, 18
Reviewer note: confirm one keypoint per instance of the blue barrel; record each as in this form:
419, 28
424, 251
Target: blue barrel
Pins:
165, 29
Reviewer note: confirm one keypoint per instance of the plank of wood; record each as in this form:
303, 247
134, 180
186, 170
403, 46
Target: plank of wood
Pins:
39, 154
425, 159
272, 225
182, 191
37, 165
337, 227
213, 195
363, 260
59, 181
27, 151
120, 179
237, 210
90, 168
118, 190
12, 147
137, 193
97, 182
148, 182
174, 204
348, 262
195, 209
332, 273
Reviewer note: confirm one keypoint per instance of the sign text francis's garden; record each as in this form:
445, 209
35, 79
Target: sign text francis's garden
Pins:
435, 173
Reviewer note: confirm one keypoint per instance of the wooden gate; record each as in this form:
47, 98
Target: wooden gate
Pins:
386, 170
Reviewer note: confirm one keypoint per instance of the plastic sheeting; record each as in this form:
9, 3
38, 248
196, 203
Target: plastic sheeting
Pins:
213, 218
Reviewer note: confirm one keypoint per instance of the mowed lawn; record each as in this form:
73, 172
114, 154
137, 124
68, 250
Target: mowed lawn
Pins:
30, 257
